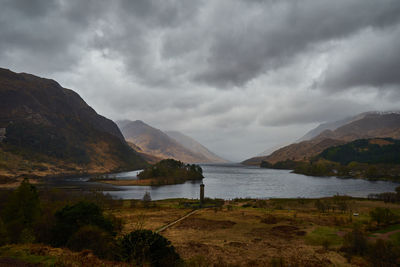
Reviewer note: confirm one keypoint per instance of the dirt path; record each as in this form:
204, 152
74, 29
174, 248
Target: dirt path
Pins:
384, 236
174, 222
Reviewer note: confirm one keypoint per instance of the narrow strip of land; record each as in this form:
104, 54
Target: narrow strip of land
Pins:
174, 222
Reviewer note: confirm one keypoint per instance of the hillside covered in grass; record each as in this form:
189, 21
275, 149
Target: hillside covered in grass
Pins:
47, 130
376, 158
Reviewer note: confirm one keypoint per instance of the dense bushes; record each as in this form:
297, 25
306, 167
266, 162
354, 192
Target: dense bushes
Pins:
384, 253
71, 218
21, 212
143, 247
355, 242
378, 253
387, 196
383, 216
80, 225
92, 237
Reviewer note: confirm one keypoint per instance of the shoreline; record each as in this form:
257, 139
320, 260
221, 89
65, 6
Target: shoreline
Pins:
15, 181
137, 182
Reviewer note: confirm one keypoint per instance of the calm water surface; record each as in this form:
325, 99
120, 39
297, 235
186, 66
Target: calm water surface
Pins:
229, 181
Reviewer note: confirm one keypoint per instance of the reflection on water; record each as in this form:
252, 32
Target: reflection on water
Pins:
238, 181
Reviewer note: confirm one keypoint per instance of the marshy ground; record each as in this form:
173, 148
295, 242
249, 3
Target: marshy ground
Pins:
249, 232
242, 232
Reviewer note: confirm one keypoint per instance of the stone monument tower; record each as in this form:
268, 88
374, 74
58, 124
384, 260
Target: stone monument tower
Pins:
201, 193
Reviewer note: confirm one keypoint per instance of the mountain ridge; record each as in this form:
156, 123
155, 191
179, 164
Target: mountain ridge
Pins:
195, 146
362, 126
52, 129
157, 143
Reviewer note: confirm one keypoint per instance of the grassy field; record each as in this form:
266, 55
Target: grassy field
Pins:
275, 232
242, 232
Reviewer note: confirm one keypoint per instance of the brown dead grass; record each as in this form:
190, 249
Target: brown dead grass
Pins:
204, 224
381, 142
148, 218
62, 256
239, 236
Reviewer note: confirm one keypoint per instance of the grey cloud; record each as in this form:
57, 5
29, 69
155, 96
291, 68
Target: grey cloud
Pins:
306, 109
29, 8
374, 63
45, 36
165, 61
267, 39
161, 13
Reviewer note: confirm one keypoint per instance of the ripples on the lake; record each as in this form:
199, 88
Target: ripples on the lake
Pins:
230, 181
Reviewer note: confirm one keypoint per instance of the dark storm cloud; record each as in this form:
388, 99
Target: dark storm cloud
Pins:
46, 36
284, 63
223, 44
374, 63
253, 40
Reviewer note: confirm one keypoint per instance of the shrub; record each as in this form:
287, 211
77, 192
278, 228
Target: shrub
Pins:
269, 219
70, 218
355, 242
143, 247
94, 238
321, 205
384, 253
382, 216
3, 234
146, 199
21, 211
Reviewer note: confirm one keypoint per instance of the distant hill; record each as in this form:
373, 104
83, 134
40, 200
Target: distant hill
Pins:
331, 126
195, 146
50, 130
376, 159
296, 152
372, 151
363, 126
148, 157
154, 142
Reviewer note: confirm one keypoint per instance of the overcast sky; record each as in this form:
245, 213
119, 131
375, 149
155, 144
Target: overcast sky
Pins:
240, 76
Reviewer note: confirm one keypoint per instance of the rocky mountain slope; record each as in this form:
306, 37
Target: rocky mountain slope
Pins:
363, 126
331, 126
50, 130
148, 157
154, 142
195, 146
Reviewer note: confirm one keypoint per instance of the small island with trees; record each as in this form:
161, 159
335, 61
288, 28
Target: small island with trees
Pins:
165, 172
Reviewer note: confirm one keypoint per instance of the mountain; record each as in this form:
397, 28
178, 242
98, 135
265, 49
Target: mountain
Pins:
195, 146
376, 158
363, 126
296, 152
50, 130
331, 126
154, 142
376, 124
148, 157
